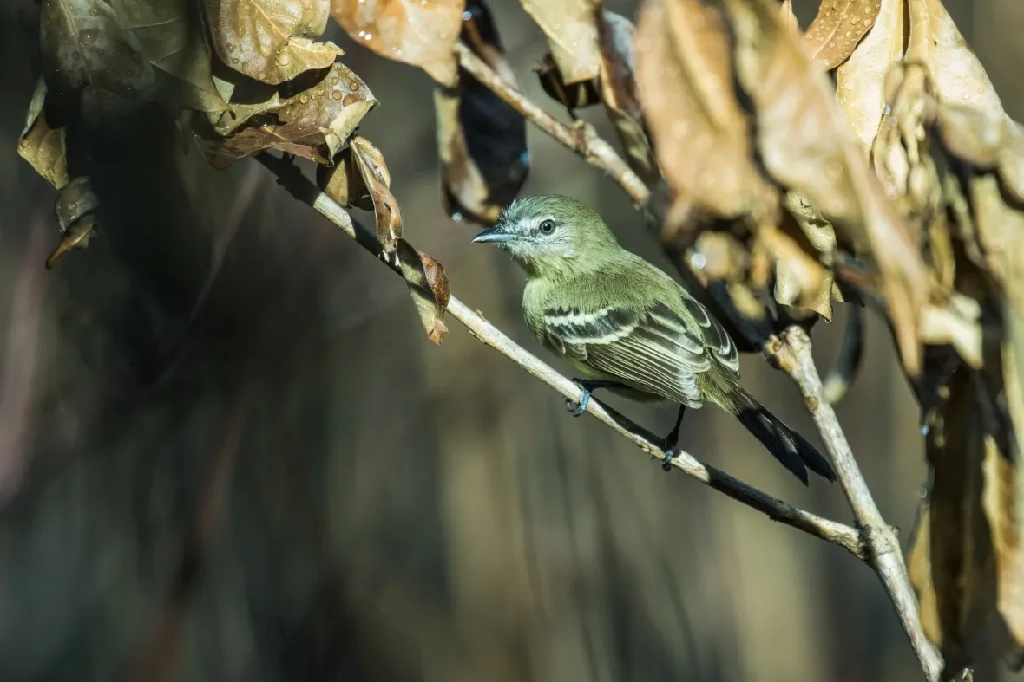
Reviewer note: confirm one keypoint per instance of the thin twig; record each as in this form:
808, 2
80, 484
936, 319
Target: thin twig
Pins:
580, 137
793, 355
832, 531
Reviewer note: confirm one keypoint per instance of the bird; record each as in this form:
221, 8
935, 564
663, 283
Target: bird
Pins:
628, 327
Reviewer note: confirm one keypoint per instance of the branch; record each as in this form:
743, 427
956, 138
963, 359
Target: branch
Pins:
792, 353
845, 536
580, 137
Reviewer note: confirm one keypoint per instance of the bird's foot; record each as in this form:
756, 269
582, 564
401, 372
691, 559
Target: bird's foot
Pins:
579, 408
666, 464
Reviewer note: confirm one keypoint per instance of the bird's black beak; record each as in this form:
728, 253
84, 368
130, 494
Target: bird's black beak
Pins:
493, 235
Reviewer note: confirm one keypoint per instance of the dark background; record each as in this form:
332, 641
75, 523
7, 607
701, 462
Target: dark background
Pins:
228, 452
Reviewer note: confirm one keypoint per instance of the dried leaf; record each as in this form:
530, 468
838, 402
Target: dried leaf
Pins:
271, 40
965, 562
76, 209
314, 123
618, 90
343, 182
40, 144
571, 96
859, 80
417, 32
807, 146
120, 54
428, 285
377, 178
684, 79
839, 26
481, 140
800, 280
571, 29
955, 70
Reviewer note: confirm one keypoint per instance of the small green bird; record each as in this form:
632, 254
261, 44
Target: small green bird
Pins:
628, 326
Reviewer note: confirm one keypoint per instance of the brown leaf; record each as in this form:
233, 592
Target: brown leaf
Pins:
618, 90
684, 79
314, 123
121, 54
859, 80
40, 144
807, 146
839, 26
428, 285
417, 32
571, 96
343, 182
76, 209
377, 178
481, 140
966, 559
271, 40
571, 29
955, 70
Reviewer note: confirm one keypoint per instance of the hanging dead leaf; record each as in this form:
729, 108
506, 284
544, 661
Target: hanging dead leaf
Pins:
571, 96
798, 120
618, 90
42, 145
314, 123
343, 182
377, 179
958, 75
859, 80
571, 30
481, 140
840, 24
271, 40
417, 32
121, 54
76, 209
428, 285
966, 560
684, 80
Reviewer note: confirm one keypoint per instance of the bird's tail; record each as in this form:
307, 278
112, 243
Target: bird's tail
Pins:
788, 446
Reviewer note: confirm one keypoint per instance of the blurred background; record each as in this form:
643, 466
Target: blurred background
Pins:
228, 451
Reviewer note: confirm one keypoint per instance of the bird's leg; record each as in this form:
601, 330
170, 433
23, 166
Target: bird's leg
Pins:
587, 387
669, 442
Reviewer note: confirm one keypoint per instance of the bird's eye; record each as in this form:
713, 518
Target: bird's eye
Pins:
547, 227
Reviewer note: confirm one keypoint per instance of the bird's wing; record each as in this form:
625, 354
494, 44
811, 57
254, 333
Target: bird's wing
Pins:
653, 350
715, 336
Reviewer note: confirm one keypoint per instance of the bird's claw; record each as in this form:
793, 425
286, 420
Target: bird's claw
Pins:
666, 464
578, 408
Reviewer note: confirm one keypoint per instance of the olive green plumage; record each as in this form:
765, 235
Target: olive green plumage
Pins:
618, 318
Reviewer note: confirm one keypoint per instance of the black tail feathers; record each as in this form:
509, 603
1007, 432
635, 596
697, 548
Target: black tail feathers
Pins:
788, 446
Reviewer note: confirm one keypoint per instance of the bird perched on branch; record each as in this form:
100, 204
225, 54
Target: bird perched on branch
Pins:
629, 327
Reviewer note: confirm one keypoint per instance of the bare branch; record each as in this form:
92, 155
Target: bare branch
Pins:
580, 137
832, 531
792, 353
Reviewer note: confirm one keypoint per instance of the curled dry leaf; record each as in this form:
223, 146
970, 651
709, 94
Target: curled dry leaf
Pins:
343, 182
859, 79
121, 54
428, 285
839, 26
417, 32
314, 123
271, 40
618, 90
481, 140
571, 30
685, 84
798, 120
571, 96
966, 560
76, 210
42, 145
377, 180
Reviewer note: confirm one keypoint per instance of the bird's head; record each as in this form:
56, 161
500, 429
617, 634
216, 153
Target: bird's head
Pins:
550, 233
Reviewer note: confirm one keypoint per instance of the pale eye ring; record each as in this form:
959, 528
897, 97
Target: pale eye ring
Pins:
547, 227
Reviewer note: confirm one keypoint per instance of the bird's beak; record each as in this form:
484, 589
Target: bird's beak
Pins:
493, 235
